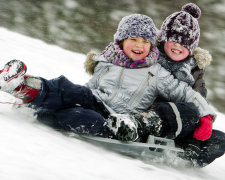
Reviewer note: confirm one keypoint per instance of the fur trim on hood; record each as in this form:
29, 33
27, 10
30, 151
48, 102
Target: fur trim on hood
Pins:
89, 63
203, 58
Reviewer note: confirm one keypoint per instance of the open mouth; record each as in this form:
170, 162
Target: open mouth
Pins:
176, 51
137, 51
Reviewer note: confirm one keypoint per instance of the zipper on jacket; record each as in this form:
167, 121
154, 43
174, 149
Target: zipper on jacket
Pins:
140, 91
105, 71
117, 87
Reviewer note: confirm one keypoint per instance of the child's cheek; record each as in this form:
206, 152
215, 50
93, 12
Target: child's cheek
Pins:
185, 52
146, 50
127, 48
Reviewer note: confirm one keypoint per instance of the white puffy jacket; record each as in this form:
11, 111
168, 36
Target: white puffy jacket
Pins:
124, 90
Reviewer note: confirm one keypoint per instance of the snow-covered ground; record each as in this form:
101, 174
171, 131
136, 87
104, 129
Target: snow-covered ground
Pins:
30, 150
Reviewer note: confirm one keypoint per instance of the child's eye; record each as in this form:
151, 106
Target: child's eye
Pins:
132, 39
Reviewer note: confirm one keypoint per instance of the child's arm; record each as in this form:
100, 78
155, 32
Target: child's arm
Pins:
177, 91
203, 59
199, 84
173, 90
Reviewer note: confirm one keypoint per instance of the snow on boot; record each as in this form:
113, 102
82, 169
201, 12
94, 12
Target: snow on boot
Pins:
12, 75
149, 124
124, 127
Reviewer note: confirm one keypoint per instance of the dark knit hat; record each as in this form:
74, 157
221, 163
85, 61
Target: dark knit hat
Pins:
136, 25
182, 27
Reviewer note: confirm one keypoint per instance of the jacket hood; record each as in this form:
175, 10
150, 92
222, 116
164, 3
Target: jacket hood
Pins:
89, 63
202, 56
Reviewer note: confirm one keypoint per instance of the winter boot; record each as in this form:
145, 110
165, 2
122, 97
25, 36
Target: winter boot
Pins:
135, 127
12, 75
149, 123
202, 153
29, 89
193, 152
123, 127
14, 81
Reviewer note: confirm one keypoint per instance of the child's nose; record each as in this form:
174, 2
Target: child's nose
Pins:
139, 44
177, 44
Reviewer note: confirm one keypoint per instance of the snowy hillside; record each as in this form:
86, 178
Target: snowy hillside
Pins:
30, 150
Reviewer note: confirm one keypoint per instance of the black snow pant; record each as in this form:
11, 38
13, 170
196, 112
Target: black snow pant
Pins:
70, 107
202, 153
180, 126
179, 119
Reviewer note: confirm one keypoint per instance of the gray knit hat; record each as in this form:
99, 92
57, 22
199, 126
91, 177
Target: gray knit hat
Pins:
136, 25
182, 27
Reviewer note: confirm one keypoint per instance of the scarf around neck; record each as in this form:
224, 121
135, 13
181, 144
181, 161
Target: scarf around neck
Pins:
115, 55
180, 69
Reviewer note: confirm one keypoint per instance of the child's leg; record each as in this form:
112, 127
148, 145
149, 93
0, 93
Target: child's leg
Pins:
69, 106
53, 99
41, 93
60, 93
202, 153
78, 120
168, 120
178, 119
82, 121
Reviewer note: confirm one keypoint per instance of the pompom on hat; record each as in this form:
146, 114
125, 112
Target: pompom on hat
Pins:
136, 25
182, 27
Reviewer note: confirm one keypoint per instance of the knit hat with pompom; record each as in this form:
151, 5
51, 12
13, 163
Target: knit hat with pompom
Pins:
182, 27
136, 25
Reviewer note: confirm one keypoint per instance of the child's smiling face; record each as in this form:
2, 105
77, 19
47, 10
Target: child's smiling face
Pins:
136, 48
175, 51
